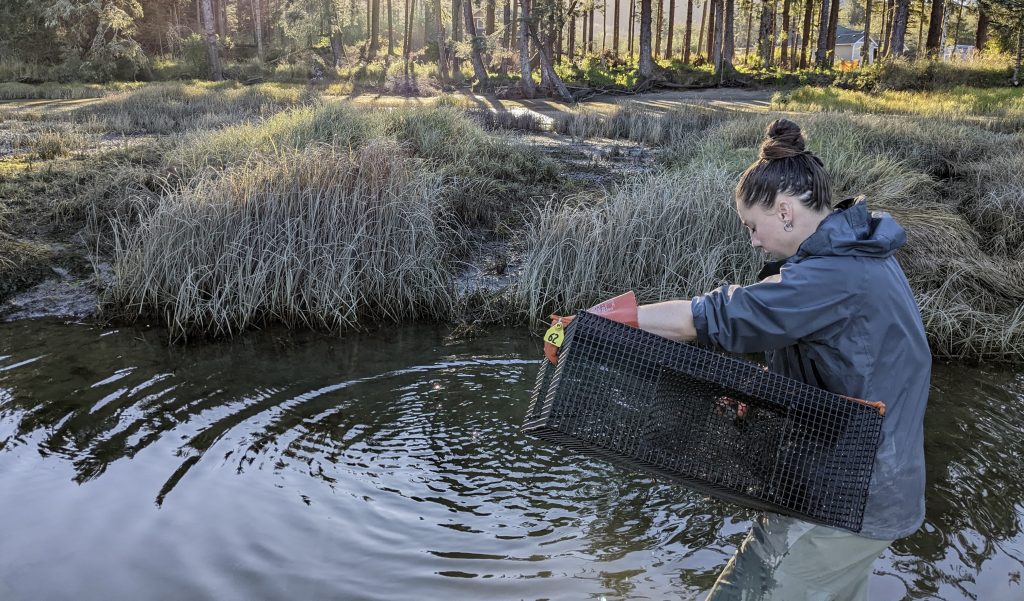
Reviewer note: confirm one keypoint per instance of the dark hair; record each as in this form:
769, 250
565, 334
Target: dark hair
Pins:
784, 165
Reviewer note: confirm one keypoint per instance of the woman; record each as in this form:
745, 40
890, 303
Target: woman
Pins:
839, 314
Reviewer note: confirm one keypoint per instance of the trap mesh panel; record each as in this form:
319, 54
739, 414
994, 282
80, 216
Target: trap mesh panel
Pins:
720, 425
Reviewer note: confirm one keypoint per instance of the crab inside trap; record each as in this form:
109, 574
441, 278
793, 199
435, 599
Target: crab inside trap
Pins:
720, 425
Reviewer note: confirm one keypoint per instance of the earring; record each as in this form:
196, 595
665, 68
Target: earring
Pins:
788, 226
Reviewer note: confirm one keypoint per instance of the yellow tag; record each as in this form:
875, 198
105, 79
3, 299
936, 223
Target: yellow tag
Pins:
555, 335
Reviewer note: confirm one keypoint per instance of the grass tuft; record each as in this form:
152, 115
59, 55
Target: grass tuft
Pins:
324, 238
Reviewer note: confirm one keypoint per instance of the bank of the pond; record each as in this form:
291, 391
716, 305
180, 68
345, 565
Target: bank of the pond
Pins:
228, 209
284, 464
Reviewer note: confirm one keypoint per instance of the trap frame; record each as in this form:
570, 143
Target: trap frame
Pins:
720, 425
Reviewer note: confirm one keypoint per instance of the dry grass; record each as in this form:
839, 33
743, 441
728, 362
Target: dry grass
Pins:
176, 107
325, 238
669, 235
679, 126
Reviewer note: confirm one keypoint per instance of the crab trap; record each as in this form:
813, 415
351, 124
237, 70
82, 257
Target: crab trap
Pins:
720, 425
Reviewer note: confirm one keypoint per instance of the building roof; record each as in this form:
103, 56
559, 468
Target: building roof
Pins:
845, 35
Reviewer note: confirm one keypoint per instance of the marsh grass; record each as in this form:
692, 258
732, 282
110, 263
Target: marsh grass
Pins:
323, 238
164, 108
489, 177
955, 102
56, 143
633, 121
954, 185
56, 91
22, 263
668, 235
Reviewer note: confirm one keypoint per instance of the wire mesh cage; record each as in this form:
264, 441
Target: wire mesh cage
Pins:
721, 425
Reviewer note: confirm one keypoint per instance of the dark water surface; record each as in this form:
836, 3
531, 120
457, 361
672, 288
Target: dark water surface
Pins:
390, 466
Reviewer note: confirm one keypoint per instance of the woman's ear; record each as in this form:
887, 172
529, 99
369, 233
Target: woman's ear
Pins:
785, 210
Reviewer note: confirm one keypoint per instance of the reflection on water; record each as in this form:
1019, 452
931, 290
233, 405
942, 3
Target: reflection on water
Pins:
389, 466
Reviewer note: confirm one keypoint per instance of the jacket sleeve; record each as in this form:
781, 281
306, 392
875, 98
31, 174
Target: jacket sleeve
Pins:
810, 296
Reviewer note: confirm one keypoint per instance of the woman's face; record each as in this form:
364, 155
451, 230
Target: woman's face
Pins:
767, 226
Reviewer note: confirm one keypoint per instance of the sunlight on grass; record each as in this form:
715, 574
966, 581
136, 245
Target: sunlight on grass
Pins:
957, 102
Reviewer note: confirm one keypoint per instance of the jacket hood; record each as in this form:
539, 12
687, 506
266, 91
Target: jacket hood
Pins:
852, 231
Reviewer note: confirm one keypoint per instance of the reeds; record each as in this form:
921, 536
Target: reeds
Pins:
323, 238
668, 235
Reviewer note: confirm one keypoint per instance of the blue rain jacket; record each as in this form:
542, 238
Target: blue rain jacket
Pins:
843, 318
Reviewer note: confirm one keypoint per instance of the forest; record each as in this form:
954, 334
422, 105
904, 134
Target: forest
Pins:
512, 47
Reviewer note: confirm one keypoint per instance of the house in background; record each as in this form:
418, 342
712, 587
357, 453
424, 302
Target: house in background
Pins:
849, 43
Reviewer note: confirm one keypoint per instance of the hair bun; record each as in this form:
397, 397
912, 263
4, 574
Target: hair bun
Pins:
782, 140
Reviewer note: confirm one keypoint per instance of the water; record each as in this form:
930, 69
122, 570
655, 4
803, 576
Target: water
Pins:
389, 466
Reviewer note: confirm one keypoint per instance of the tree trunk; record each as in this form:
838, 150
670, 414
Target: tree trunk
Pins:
935, 28
489, 17
671, 28
406, 37
657, 28
442, 55
700, 35
713, 17
784, 52
212, 44
374, 28
806, 42
506, 37
391, 32
457, 37
646, 58
548, 73
716, 37
525, 77
820, 59
477, 49
1020, 52
886, 25
729, 36
899, 26
632, 20
222, 18
257, 19
514, 23
959, 18
748, 44
833, 23
981, 35
688, 32
604, 25
920, 31
571, 51
865, 50
590, 38
615, 28
557, 25
337, 46
764, 35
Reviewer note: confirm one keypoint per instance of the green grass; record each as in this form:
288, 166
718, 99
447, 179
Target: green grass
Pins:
164, 108
57, 91
956, 102
490, 178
